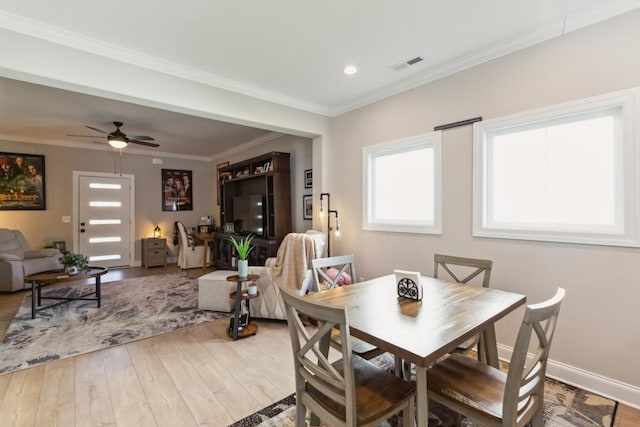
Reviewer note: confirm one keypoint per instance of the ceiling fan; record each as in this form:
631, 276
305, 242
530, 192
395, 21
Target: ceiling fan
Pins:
118, 139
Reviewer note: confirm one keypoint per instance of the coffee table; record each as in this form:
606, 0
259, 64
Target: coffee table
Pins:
39, 280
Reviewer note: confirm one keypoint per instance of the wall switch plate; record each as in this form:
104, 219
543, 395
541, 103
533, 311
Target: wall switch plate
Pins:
66, 219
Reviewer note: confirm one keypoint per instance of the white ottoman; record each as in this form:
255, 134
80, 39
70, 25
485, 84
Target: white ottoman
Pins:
214, 290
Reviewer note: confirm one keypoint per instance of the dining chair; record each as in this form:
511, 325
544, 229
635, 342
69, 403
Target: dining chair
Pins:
464, 270
350, 391
190, 252
330, 273
490, 396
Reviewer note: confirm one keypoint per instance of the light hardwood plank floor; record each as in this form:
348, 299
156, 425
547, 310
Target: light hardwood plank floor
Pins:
192, 377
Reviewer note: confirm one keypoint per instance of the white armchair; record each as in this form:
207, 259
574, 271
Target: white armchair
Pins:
190, 255
291, 269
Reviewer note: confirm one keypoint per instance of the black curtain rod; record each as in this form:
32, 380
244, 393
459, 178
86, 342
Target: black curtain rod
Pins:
458, 124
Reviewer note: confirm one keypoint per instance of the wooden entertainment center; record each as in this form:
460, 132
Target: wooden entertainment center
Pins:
255, 196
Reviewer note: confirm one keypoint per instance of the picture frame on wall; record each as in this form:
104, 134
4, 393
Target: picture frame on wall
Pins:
60, 245
308, 178
22, 182
307, 206
177, 190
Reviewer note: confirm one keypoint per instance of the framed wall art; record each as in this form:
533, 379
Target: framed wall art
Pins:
177, 190
22, 182
60, 245
308, 178
307, 206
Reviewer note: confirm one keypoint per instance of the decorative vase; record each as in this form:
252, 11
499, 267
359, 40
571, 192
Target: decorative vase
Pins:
243, 268
71, 270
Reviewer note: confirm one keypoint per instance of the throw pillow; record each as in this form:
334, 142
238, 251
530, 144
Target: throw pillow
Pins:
344, 279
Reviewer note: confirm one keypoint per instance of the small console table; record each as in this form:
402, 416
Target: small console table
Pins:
39, 280
237, 330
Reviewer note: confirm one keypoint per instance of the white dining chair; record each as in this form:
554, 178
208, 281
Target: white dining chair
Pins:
350, 391
490, 396
329, 273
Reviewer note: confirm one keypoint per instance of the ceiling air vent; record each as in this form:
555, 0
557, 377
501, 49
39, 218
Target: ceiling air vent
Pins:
405, 64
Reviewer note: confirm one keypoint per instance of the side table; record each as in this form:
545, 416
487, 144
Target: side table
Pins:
154, 252
236, 330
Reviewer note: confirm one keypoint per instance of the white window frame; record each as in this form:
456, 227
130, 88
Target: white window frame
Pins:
432, 140
627, 198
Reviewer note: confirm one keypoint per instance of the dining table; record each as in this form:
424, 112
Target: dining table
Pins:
421, 332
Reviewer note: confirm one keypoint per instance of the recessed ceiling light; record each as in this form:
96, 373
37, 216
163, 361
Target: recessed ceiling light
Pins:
350, 69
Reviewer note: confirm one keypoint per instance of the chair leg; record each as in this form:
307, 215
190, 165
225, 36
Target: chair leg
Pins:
457, 419
409, 415
406, 370
301, 414
538, 420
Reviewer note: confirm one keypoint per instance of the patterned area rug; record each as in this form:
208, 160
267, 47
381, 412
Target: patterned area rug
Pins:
564, 406
131, 309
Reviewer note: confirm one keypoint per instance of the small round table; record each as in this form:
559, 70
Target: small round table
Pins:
236, 330
38, 280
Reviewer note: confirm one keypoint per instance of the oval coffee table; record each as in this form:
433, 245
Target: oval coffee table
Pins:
38, 280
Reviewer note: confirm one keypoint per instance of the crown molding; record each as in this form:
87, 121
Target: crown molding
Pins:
40, 30
583, 18
576, 21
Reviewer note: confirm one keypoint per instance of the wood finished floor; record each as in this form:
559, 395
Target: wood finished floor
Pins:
192, 377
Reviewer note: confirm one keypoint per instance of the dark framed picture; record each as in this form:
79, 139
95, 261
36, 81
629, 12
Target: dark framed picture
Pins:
308, 178
22, 182
61, 245
307, 206
177, 190
220, 179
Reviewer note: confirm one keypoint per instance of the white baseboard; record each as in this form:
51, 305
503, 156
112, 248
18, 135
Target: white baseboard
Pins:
613, 389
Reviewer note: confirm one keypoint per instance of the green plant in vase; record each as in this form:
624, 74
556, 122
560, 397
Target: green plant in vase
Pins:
74, 263
243, 248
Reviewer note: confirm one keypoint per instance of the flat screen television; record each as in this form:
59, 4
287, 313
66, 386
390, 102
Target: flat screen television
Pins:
249, 214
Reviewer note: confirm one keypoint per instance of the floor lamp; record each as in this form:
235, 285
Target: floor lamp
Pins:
329, 228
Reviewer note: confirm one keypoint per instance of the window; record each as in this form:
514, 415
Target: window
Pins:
563, 173
401, 185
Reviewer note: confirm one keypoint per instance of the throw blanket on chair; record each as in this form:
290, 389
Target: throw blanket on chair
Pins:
286, 270
293, 260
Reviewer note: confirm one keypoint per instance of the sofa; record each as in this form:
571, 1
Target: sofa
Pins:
17, 260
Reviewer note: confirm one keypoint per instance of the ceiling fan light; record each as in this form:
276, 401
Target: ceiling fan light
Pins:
117, 141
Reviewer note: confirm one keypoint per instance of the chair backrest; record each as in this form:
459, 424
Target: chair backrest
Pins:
478, 266
185, 238
525, 381
319, 385
333, 271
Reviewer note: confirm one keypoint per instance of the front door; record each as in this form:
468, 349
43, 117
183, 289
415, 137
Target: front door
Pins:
103, 221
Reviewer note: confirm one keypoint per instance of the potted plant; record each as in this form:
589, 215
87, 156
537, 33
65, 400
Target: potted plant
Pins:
74, 263
243, 248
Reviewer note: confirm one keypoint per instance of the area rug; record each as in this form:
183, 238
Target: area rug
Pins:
564, 406
132, 309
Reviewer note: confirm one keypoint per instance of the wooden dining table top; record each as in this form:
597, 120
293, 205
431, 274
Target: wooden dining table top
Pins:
419, 331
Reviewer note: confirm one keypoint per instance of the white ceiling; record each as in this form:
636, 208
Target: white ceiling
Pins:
287, 51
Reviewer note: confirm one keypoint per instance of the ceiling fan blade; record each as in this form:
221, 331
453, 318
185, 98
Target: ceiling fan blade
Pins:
140, 138
96, 129
82, 136
148, 144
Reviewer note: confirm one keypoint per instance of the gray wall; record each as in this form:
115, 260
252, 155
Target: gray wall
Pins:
44, 227
598, 328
